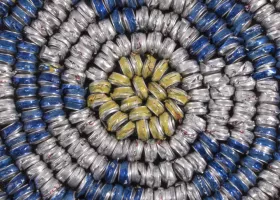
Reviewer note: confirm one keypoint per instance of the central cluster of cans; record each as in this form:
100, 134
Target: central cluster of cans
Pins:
140, 98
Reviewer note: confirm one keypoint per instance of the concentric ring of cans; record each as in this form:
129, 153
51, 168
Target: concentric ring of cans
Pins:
234, 92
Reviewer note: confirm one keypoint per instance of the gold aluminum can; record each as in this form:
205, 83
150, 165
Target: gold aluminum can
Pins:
139, 113
100, 86
160, 69
156, 129
167, 123
119, 80
143, 131
107, 109
140, 87
174, 109
130, 103
157, 91
155, 105
170, 79
125, 131
95, 100
136, 63
149, 66
116, 120
53, 67
121, 93
178, 95
126, 67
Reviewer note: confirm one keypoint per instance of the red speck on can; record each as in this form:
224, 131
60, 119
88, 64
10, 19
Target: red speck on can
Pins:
247, 7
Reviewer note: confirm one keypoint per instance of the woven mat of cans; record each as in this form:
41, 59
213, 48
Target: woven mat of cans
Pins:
139, 99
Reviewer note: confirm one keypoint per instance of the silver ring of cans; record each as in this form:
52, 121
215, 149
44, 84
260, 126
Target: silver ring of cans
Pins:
141, 108
219, 167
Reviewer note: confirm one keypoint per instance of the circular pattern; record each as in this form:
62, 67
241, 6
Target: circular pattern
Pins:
207, 92
130, 106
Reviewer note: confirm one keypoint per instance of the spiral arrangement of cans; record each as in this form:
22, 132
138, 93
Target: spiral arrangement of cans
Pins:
139, 99
141, 110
